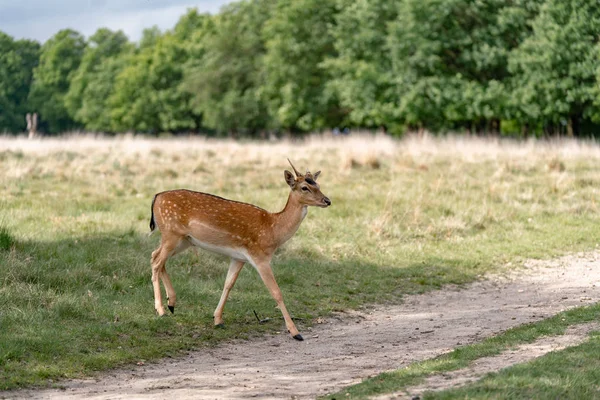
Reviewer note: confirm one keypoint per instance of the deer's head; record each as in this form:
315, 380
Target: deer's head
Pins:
307, 189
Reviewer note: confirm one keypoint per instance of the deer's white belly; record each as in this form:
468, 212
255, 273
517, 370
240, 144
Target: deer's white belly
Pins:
237, 253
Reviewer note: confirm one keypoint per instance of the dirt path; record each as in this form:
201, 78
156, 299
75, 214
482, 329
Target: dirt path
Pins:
573, 336
347, 348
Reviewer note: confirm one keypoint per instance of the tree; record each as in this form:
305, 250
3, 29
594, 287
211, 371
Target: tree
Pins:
92, 83
59, 59
450, 58
147, 96
189, 24
150, 36
225, 76
361, 69
95, 111
298, 41
17, 61
556, 68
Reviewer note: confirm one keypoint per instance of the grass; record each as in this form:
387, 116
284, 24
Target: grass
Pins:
6, 240
407, 217
572, 373
563, 374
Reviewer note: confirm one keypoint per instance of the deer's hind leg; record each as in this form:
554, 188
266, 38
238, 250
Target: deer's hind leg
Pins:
166, 280
169, 246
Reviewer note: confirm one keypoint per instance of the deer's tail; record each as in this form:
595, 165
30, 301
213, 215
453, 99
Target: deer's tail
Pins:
152, 223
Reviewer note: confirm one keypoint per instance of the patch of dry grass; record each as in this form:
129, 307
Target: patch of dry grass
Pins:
440, 187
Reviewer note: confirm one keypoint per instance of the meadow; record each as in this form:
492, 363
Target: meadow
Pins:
407, 216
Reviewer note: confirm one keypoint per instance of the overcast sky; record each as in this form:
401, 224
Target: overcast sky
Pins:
40, 19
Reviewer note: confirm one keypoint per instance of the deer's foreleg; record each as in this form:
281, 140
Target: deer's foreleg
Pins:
266, 274
232, 274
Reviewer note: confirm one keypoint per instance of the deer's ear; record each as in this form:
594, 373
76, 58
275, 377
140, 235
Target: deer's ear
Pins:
316, 175
289, 178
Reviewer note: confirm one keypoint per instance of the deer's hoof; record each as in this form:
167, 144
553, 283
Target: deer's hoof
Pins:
220, 326
172, 309
298, 337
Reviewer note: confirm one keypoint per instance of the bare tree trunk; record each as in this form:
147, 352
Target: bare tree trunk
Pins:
32, 124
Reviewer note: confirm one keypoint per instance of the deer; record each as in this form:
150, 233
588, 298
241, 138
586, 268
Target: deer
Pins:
245, 233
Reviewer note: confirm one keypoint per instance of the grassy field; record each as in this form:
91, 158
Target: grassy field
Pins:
407, 216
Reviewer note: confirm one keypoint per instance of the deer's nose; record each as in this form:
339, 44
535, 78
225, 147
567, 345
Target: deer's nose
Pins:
326, 201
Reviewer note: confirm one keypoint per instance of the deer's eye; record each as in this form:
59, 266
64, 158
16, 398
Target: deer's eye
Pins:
304, 188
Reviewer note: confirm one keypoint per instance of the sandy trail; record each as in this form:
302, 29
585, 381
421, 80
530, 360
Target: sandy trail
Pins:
573, 336
347, 348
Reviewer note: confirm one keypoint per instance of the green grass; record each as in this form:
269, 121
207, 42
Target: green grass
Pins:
407, 217
571, 373
6, 240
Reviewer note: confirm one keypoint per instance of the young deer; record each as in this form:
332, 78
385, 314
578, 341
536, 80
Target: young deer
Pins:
243, 232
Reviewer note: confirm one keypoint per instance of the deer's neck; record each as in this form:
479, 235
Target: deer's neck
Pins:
289, 219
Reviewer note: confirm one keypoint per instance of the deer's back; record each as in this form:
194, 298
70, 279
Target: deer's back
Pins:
209, 220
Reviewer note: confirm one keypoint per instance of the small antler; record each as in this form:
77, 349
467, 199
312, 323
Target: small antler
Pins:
294, 168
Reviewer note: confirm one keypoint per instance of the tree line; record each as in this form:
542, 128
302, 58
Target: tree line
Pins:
515, 67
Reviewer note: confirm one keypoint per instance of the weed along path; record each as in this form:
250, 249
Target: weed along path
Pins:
349, 347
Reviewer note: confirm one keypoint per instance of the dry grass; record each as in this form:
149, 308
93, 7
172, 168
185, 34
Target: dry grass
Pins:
467, 182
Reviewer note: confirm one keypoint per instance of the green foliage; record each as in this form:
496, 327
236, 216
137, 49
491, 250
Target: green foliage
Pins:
92, 83
298, 40
190, 23
59, 59
17, 61
451, 58
555, 69
132, 103
304, 65
146, 96
224, 77
150, 37
360, 70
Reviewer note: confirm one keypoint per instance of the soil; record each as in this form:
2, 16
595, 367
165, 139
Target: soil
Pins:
575, 335
348, 347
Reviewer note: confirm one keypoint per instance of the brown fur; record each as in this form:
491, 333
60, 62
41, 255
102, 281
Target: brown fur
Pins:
245, 233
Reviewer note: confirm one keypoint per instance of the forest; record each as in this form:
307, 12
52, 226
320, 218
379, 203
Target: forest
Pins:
504, 67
